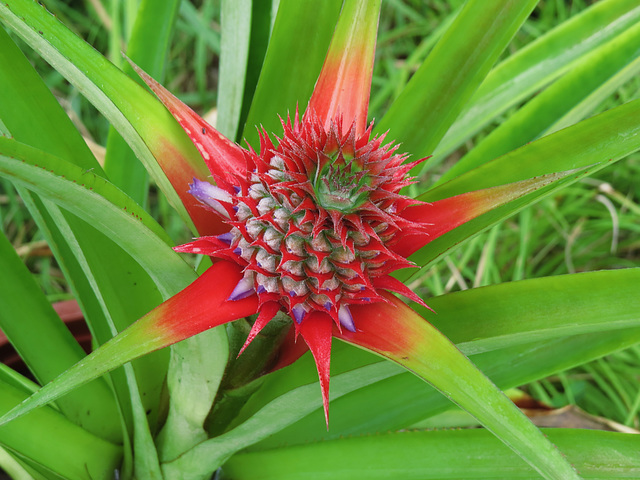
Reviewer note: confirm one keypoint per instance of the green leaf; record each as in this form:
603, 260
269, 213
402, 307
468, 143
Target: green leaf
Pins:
293, 405
403, 399
396, 332
246, 28
125, 103
101, 204
234, 53
520, 75
66, 449
47, 346
147, 47
540, 114
26, 92
435, 455
12, 467
297, 47
546, 308
122, 285
195, 372
438, 91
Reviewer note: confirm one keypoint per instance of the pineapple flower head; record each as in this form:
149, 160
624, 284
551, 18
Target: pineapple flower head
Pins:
312, 221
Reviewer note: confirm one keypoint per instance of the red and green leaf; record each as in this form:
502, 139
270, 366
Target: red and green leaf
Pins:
396, 332
345, 81
199, 307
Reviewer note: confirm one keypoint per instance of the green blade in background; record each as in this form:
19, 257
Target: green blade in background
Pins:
25, 93
48, 439
610, 135
520, 75
403, 399
235, 39
437, 455
51, 129
101, 204
295, 404
297, 47
438, 91
246, 27
113, 294
47, 346
147, 47
535, 118
161, 140
395, 331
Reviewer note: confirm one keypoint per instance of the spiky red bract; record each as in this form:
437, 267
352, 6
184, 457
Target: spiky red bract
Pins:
180, 175
444, 215
316, 331
199, 307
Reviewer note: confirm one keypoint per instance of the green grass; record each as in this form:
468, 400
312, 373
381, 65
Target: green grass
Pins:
592, 225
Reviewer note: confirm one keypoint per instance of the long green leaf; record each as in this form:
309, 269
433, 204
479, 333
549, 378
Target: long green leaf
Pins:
116, 293
66, 449
71, 239
101, 204
564, 311
24, 92
402, 400
212, 453
604, 138
521, 75
234, 55
535, 118
437, 455
395, 331
195, 372
297, 47
246, 27
438, 91
558, 326
103, 84
47, 346
147, 47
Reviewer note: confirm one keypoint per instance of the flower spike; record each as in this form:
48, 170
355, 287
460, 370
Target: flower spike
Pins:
342, 91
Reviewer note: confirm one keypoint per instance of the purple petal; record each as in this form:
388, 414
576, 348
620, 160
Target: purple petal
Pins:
243, 289
298, 312
210, 195
346, 319
226, 237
